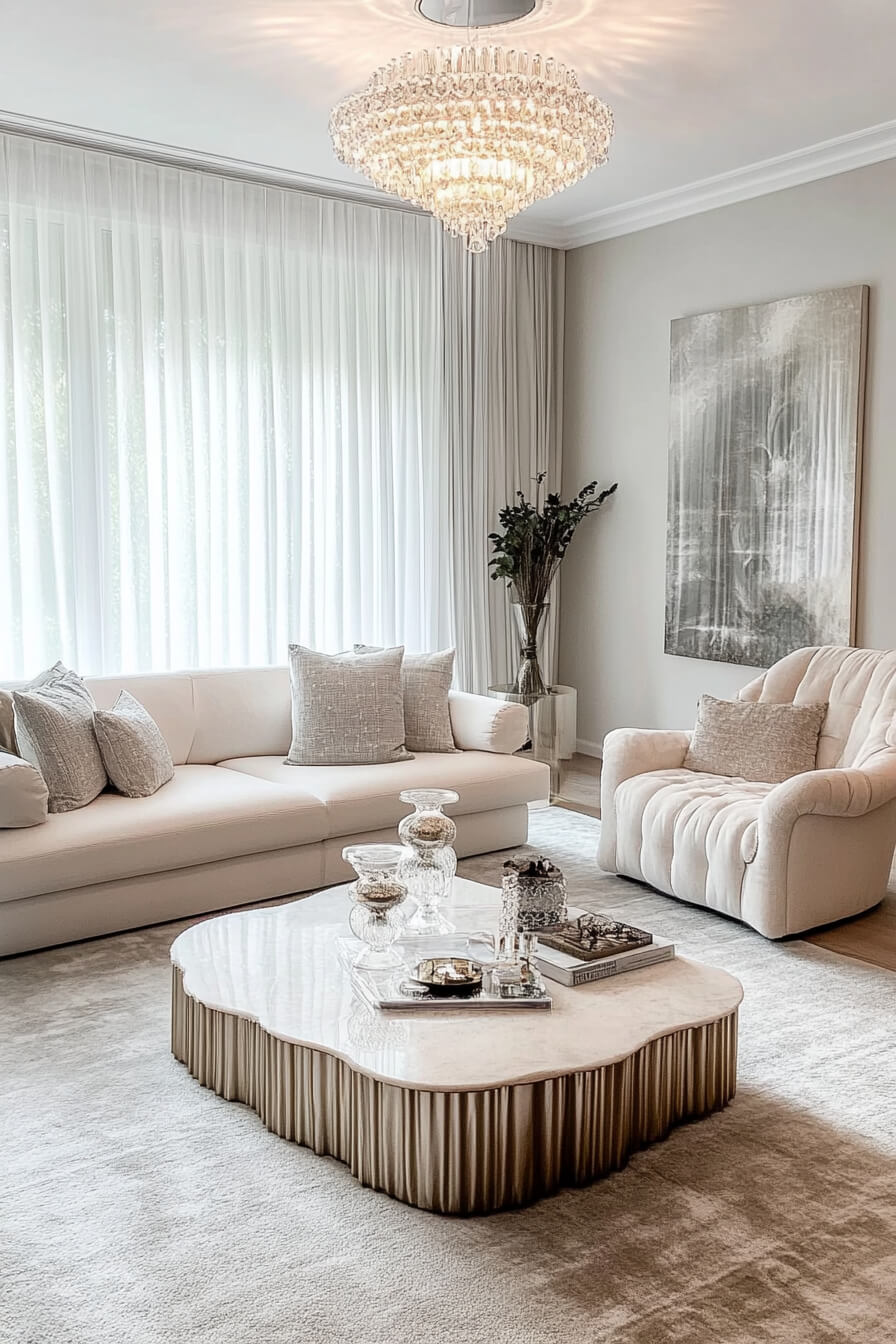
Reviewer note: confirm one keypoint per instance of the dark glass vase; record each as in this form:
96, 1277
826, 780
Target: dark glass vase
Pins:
528, 617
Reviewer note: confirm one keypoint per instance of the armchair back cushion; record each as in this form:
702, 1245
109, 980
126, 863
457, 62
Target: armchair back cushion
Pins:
859, 686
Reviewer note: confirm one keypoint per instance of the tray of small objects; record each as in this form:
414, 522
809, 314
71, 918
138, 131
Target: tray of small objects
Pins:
440, 977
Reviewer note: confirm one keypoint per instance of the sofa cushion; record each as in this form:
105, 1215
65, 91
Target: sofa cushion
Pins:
202, 815
365, 797
689, 834
241, 711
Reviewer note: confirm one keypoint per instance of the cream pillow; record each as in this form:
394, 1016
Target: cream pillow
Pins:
754, 740
134, 752
54, 731
425, 682
347, 708
23, 793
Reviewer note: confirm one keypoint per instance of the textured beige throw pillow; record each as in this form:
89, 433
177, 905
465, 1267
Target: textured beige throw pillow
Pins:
347, 708
754, 740
135, 753
425, 682
54, 731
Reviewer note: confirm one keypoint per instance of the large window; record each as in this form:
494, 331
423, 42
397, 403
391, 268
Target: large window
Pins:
234, 416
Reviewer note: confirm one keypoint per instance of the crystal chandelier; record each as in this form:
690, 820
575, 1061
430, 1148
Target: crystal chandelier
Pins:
472, 133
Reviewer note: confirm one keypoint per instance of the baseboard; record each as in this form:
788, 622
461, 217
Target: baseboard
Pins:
586, 748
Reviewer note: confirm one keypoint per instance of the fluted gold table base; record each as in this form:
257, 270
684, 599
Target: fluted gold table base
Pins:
462, 1152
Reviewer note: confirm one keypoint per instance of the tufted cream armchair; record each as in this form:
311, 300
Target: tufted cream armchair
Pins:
781, 857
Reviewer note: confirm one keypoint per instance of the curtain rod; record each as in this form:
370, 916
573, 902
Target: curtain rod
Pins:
216, 165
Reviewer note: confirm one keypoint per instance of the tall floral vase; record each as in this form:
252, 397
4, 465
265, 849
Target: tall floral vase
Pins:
528, 618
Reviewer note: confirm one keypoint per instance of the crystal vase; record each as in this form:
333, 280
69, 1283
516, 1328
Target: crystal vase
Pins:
376, 917
528, 617
430, 862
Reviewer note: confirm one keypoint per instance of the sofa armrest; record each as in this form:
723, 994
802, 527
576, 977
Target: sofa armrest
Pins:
23, 793
484, 723
629, 752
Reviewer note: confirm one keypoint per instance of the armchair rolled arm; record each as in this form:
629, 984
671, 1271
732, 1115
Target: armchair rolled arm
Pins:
634, 751
848, 792
629, 752
796, 868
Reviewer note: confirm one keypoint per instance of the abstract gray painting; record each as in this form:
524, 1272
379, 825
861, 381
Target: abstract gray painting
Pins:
764, 467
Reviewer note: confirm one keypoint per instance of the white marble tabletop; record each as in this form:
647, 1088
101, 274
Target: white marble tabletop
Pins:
280, 967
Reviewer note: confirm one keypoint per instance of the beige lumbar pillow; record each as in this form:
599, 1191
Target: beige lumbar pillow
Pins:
54, 731
347, 708
754, 740
134, 752
23, 793
425, 682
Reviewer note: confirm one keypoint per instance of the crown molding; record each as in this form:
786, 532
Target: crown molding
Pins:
856, 150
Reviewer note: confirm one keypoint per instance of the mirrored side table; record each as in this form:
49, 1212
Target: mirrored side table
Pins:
552, 726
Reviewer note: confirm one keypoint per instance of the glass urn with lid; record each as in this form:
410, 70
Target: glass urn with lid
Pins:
533, 897
376, 917
430, 862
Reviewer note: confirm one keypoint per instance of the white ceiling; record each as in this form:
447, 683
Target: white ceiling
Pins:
699, 87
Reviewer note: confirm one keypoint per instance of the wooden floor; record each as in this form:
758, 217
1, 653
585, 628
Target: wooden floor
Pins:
870, 938
580, 785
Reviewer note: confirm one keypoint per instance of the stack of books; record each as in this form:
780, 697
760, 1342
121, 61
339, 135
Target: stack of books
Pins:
590, 947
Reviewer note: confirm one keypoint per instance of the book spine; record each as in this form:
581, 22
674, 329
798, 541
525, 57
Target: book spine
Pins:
584, 975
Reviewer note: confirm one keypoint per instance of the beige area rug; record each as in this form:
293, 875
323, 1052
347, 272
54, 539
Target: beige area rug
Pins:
138, 1208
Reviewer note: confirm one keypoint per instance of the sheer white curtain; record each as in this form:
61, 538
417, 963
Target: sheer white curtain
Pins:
232, 416
503, 389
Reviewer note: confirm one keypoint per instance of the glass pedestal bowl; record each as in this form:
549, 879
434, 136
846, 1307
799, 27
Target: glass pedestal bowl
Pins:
376, 916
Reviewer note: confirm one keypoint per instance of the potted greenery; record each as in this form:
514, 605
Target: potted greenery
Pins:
527, 555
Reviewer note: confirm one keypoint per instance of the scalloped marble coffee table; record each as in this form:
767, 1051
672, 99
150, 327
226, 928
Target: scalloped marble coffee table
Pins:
448, 1112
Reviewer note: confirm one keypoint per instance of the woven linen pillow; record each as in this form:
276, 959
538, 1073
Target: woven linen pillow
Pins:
754, 740
134, 752
425, 682
23, 793
347, 708
54, 731
8, 724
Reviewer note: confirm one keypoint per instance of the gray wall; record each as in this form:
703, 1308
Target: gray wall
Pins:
620, 298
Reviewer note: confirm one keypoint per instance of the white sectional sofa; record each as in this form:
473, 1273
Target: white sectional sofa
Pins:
235, 824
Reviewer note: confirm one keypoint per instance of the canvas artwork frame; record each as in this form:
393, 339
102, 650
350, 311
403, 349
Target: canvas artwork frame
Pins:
765, 457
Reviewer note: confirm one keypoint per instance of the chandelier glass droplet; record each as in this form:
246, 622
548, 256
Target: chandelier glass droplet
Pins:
473, 134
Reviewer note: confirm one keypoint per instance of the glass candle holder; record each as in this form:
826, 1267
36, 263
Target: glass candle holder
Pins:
430, 862
376, 917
